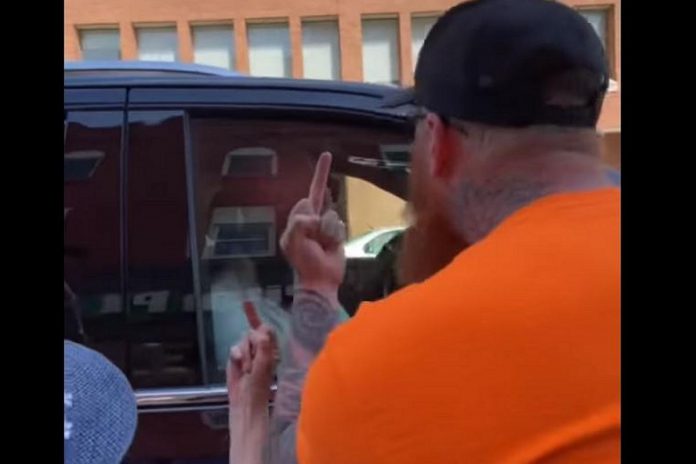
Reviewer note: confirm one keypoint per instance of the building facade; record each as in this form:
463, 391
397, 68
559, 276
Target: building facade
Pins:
355, 40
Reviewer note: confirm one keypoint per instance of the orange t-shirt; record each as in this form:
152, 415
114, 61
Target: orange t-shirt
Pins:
508, 355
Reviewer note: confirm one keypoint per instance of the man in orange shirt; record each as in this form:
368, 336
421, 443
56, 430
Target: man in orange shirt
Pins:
509, 352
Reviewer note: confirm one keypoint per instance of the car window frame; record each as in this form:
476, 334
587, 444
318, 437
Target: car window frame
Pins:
93, 97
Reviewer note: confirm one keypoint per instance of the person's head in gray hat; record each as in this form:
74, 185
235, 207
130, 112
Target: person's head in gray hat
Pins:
99, 408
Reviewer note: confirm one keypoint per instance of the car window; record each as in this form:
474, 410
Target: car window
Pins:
161, 317
92, 240
248, 174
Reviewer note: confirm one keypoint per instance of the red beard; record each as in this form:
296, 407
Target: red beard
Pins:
427, 247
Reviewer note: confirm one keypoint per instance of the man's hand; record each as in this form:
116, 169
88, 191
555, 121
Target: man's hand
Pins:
249, 377
313, 239
250, 369
313, 244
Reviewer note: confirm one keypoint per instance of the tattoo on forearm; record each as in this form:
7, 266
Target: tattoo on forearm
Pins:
287, 398
312, 319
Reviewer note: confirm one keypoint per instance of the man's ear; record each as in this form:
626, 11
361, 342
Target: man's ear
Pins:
441, 148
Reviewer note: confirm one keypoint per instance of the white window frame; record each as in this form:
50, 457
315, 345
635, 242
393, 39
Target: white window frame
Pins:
397, 55
251, 25
606, 13
414, 17
218, 27
608, 42
240, 215
82, 31
250, 151
307, 23
160, 27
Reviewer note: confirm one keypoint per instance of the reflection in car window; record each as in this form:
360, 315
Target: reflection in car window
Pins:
92, 244
249, 173
162, 324
375, 245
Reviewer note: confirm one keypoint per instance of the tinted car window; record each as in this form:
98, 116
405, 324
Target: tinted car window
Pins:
249, 173
162, 324
93, 259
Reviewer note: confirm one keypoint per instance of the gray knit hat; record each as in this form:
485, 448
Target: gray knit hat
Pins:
99, 408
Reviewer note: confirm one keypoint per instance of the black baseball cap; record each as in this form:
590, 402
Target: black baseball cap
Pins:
501, 62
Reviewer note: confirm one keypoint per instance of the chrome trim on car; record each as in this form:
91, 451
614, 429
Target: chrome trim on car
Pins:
183, 399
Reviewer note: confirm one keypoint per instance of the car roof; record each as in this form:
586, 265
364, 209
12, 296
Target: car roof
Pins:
195, 85
141, 68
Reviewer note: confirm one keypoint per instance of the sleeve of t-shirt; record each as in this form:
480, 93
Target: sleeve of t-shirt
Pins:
328, 428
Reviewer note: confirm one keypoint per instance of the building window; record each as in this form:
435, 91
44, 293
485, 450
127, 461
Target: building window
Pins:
321, 55
420, 26
100, 44
243, 232
380, 50
158, 44
251, 162
214, 46
598, 20
269, 50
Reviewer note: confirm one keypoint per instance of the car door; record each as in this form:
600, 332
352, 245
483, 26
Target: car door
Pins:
93, 239
199, 193
164, 322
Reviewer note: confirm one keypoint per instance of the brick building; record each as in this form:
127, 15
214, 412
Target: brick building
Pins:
357, 40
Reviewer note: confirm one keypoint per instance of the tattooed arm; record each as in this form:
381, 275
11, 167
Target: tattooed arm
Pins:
312, 243
313, 315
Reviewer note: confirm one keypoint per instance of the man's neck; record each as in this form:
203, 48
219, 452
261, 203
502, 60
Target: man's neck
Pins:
487, 202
